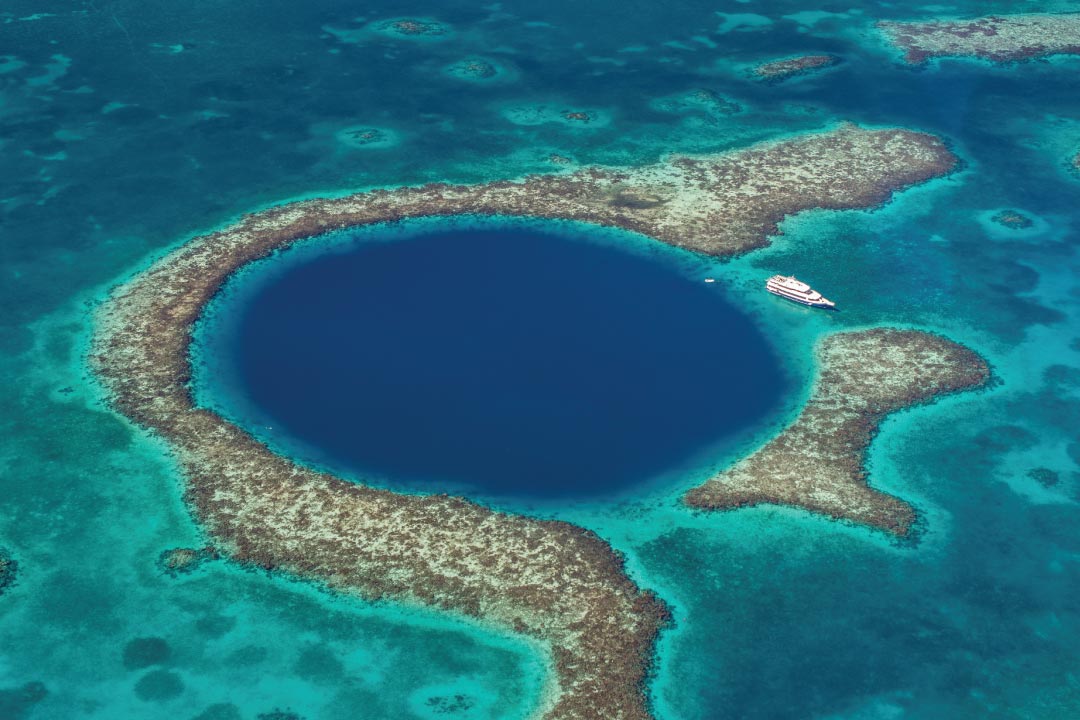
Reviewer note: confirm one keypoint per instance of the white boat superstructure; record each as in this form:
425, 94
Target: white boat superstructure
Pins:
796, 291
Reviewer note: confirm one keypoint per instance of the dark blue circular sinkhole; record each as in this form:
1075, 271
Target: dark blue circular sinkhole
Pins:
504, 359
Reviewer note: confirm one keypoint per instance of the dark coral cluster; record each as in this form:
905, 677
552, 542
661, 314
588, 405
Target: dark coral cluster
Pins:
450, 704
18, 702
181, 561
577, 116
361, 136
1013, 219
146, 652
1044, 476
701, 102
713, 101
778, 70
473, 69
8, 570
279, 715
413, 27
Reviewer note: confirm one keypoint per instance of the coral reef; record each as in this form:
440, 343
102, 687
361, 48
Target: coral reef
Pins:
551, 581
1000, 38
816, 463
540, 114
219, 711
450, 704
700, 101
159, 686
713, 101
778, 70
8, 570
1044, 476
412, 27
146, 652
279, 715
181, 561
366, 137
18, 702
475, 69
1013, 219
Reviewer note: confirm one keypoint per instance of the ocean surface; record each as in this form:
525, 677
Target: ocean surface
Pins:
127, 127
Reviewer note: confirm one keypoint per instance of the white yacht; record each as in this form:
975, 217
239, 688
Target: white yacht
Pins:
800, 292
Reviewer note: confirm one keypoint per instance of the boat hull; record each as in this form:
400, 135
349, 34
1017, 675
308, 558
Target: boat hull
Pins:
826, 305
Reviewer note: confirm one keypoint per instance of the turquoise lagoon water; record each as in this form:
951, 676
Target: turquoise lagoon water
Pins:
128, 126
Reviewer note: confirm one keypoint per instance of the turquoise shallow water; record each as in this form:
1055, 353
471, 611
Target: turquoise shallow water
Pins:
126, 127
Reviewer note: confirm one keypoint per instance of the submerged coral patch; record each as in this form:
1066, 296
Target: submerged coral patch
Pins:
1044, 476
215, 626
318, 663
786, 68
699, 101
276, 714
413, 28
1013, 219
146, 652
8, 569
1010, 224
362, 136
159, 686
219, 711
450, 704
475, 70
18, 702
541, 114
180, 561
577, 115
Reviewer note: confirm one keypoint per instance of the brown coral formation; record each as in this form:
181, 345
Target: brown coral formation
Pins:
713, 100
554, 582
8, 569
473, 69
181, 561
1044, 476
577, 116
699, 102
778, 70
364, 136
999, 38
817, 462
413, 27
1013, 219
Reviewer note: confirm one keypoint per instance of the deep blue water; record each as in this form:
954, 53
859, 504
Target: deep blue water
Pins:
126, 126
513, 361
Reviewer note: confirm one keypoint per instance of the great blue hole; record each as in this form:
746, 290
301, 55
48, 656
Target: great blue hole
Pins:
503, 359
